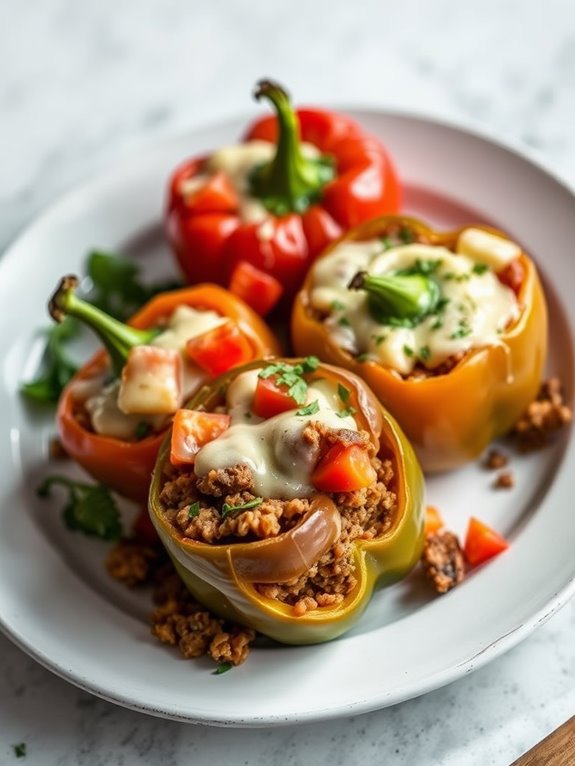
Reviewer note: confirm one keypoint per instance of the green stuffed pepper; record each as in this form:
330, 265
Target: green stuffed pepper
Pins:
285, 494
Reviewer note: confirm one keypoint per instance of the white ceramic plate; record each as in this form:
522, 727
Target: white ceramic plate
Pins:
57, 603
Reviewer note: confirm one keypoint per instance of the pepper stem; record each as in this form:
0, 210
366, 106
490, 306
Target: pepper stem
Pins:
407, 298
291, 182
117, 337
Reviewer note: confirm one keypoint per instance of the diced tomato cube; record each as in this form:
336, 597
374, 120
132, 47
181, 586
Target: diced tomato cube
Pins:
482, 542
271, 399
191, 430
151, 381
220, 349
259, 290
344, 469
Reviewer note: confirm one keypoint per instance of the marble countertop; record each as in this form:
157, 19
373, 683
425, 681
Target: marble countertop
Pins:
82, 84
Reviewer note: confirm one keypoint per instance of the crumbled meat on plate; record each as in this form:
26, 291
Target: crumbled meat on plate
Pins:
545, 415
443, 561
504, 480
495, 460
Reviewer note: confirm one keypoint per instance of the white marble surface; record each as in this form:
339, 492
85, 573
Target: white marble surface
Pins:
82, 83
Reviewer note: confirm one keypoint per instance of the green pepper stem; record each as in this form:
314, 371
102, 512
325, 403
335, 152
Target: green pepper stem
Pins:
117, 337
406, 297
291, 181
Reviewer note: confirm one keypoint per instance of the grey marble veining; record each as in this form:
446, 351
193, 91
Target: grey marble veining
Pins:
84, 83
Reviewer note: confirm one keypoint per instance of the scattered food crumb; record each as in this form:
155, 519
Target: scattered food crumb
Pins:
504, 480
133, 563
545, 415
443, 561
495, 460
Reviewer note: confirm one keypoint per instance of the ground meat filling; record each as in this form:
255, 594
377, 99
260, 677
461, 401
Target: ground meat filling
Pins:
194, 506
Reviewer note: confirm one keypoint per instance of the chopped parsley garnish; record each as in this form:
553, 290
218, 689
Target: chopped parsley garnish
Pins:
387, 243
438, 324
362, 357
408, 351
194, 510
57, 367
379, 339
19, 750
311, 409
344, 322
425, 268
346, 412
442, 303
142, 430
290, 376
462, 331
90, 508
343, 393
424, 353
337, 306
406, 235
480, 268
223, 667
227, 509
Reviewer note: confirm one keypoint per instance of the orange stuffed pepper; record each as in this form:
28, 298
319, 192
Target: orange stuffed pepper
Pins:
448, 329
114, 413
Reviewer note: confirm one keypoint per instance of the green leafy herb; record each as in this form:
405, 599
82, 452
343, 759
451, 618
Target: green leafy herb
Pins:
441, 305
337, 306
228, 509
90, 508
387, 243
143, 429
57, 367
311, 409
406, 235
462, 331
223, 667
408, 351
346, 412
194, 510
19, 750
362, 357
117, 287
438, 324
379, 339
290, 376
480, 268
424, 353
343, 393
424, 268
344, 322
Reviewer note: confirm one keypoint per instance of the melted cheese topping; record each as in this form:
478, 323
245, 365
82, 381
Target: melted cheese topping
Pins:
238, 162
280, 460
475, 310
101, 401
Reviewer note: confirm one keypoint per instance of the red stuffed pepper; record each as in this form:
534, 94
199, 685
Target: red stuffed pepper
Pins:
298, 181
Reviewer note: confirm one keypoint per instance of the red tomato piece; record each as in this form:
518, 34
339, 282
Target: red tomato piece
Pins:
512, 275
259, 290
344, 469
433, 520
482, 542
191, 430
215, 195
271, 399
220, 349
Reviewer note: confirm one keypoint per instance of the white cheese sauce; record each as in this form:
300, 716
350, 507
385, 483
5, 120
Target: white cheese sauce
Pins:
280, 461
475, 308
101, 401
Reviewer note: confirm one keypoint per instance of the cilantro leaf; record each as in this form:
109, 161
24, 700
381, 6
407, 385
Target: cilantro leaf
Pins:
90, 508
343, 392
480, 268
58, 369
311, 409
19, 750
228, 509
223, 667
194, 510
345, 413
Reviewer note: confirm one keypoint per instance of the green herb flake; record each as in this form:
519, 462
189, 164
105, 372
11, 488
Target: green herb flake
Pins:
379, 339
57, 368
90, 508
228, 509
387, 243
223, 667
480, 268
337, 306
142, 430
311, 409
19, 750
408, 351
406, 235
424, 353
194, 510
438, 324
346, 413
310, 364
290, 376
362, 357
343, 393
344, 322
462, 332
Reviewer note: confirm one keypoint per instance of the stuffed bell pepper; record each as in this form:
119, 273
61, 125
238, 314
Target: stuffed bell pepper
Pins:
284, 495
254, 215
114, 413
448, 329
